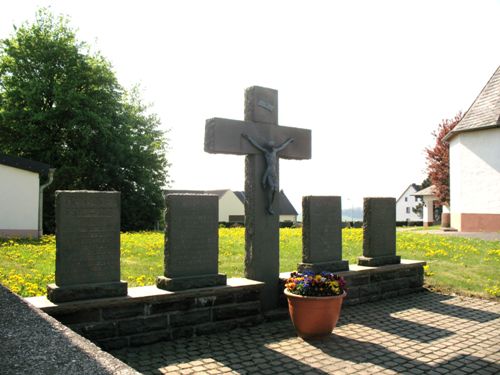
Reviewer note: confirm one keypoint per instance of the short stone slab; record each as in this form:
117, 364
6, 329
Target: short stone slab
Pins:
322, 235
379, 260
335, 266
190, 282
87, 246
191, 243
379, 232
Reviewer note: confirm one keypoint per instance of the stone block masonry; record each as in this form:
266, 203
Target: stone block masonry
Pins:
369, 284
149, 314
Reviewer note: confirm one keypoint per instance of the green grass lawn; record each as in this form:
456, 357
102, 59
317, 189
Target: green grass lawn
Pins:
455, 264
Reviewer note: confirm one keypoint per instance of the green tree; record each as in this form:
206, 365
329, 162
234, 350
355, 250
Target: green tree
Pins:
62, 105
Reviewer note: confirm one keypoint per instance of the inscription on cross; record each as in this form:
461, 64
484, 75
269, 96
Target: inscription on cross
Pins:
260, 127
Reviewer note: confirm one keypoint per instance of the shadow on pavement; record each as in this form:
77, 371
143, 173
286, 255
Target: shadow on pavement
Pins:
273, 348
355, 351
380, 316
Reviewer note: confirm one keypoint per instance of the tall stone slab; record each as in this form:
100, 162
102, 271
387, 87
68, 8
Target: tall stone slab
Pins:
262, 237
87, 246
239, 137
379, 232
191, 243
322, 235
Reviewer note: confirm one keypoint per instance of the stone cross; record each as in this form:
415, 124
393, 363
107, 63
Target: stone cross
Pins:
231, 137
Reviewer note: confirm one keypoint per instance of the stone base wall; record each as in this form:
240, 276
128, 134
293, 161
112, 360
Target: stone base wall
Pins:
149, 314
368, 284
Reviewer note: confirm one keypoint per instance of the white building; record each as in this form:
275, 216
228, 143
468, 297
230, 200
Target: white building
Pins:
232, 205
19, 196
406, 203
475, 163
286, 210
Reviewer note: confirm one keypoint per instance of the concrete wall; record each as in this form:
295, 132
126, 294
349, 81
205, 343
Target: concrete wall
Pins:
229, 204
407, 201
18, 202
475, 180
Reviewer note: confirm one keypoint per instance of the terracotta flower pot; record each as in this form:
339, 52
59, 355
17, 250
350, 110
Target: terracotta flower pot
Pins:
314, 317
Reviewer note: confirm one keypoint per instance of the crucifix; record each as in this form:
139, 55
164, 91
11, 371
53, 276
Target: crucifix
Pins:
264, 142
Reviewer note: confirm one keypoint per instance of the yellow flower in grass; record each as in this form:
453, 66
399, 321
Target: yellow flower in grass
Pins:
494, 290
427, 270
141, 280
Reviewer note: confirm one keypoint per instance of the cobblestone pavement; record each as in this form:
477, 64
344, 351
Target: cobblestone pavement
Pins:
423, 333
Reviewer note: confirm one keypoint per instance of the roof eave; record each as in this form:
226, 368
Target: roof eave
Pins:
25, 164
453, 133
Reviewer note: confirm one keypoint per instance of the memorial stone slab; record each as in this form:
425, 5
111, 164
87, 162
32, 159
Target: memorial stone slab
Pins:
191, 243
322, 235
87, 246
379, 232
261, 225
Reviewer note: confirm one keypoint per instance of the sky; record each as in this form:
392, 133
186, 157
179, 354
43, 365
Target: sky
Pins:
371, 79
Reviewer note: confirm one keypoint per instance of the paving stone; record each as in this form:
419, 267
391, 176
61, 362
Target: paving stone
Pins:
424, 333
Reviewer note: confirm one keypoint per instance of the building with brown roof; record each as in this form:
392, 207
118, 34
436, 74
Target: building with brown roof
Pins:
475, 163
232, 205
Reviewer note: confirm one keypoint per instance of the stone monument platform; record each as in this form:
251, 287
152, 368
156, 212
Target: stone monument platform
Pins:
149, 314
369, 284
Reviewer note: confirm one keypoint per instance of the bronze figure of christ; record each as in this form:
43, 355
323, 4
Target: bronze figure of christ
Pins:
270, 182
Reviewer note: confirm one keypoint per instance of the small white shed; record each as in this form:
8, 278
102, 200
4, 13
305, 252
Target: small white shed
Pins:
428, 197
19, 196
